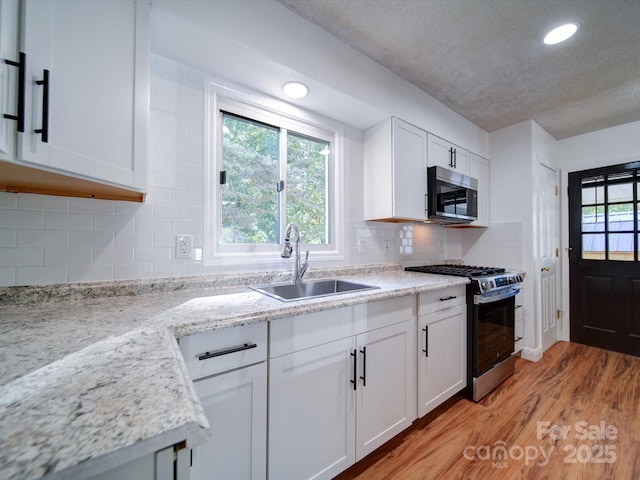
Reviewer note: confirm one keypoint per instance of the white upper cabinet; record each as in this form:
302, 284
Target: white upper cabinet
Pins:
395, 170
479, 169
8, 77
445, 154
86, 89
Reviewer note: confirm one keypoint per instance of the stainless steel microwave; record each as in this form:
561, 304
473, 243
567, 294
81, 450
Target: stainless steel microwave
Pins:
451, 196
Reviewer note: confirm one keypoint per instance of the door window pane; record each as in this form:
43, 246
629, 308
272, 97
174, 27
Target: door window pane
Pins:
620, 218
250, 209
622, 192
593, 219
593, 247
621, 246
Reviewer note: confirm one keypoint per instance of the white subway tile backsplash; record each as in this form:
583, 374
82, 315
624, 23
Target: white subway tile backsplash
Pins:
170, 269
144, 224
112, 255
164, 240
67, 256
90, 273
174, 182
132, 209
7, 276
132, 271
41, 275
8, 237
92, 205
21, 219
43, 203
186, 198
134, 240
91, 239
186, 226
43, 238
152, 255
170, 211
113, 223
158, 195
16, 257
8, 200
67, 221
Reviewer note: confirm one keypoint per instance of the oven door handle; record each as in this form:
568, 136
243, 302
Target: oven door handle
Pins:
481, 299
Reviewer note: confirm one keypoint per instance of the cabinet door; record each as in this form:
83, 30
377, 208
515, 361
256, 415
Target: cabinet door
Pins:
409, 170
236, 406
386, 395
442, 355
311, 412
445, 154
97, 54
8, 76
479, 169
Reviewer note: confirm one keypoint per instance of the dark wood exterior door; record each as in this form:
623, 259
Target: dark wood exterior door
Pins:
604, 271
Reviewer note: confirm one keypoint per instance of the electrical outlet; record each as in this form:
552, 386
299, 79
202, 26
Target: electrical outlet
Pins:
184, 246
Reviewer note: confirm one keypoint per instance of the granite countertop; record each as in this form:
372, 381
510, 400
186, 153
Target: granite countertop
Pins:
91, 382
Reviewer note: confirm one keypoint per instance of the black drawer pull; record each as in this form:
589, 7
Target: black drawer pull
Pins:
518, 306
447, 298
226, 351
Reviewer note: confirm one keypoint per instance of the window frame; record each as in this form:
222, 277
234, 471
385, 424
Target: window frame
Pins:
223, 97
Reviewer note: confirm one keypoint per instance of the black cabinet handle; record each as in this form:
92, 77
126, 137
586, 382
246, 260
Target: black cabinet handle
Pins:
447, 298
426, 341
451, 157
22, 68
354, 354
226, 351
45, 106
364, 366
455, 158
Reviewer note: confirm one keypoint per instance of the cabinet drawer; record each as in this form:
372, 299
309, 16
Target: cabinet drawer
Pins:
436, 300
292, 334
214, 352
374, 315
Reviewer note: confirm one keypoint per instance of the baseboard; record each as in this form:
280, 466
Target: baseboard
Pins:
531, 354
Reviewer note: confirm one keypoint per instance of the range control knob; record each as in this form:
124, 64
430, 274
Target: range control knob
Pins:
483, 286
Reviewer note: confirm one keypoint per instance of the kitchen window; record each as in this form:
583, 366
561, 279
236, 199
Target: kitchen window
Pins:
267, 168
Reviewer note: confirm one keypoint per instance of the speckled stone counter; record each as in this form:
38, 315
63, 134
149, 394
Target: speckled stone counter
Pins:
93, 382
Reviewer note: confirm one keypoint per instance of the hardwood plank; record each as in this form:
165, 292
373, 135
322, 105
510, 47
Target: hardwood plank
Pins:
551, 417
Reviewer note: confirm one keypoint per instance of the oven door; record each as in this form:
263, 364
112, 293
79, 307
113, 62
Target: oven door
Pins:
494, 319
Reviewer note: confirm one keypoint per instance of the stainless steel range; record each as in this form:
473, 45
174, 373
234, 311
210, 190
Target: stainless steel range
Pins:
490, 323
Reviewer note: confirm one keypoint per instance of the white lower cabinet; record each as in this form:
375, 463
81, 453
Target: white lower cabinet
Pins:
235, 405
386, 394
230, 373
442, 352
312, 412
332, 403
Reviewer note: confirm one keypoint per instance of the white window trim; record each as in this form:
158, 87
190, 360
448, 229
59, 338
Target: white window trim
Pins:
220, 94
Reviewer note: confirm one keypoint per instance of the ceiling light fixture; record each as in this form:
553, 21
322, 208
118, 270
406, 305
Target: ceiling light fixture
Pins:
561, 33
295, 89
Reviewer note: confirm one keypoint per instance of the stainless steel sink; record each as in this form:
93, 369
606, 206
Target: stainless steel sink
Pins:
289, 292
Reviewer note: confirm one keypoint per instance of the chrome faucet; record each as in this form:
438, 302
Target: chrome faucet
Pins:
299, 269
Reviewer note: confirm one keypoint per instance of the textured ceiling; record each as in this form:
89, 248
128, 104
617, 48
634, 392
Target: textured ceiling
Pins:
485, 59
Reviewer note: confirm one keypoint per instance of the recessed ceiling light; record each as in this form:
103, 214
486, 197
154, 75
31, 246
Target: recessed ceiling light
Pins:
561, 33
295, 89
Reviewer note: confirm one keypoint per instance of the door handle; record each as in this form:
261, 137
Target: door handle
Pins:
21, 64
545, 269
425, 350
364, 366
44, 131
354, 354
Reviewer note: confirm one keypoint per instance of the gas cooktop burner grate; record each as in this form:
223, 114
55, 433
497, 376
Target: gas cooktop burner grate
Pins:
457, 270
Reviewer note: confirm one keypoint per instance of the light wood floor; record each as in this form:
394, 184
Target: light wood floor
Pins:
549, 409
